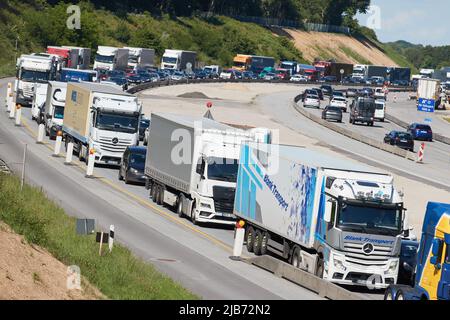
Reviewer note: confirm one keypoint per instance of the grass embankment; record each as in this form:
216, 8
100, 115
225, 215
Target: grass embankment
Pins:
118, 275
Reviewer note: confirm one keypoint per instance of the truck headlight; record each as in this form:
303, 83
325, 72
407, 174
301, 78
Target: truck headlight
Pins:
205, 205
134, 171
338, 264
392, 267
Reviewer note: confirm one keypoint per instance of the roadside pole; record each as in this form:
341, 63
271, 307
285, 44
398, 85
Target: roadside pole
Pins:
239, 233
58, 142
18, 114
69, 153
111, 238
40, 136
22, 180
12, 111
90, 166
8, 94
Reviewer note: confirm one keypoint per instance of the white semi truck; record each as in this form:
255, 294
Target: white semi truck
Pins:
140, 57
32, 69
111, 58
191, 165
84, 57
178, 59
54, 107
339, 220
102, 118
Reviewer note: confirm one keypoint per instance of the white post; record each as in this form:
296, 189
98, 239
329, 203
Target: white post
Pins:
10, 101
40, 136
57, 146
12, 112
238, 243
18, 114
111, 237
90, 166
8, 93
24, 161
69, 153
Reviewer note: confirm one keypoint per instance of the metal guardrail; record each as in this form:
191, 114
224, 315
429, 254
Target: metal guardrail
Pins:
323, 288
356, 136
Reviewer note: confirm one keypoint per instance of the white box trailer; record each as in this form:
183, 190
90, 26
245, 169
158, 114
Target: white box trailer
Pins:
141, 57
340, 220
54, 107
191, 164
111, 58
178, 59
427, 94
102, 118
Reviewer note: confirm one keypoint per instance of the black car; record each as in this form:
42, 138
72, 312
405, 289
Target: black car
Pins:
400, 139
408, 261
133, 165
332, 113
143, 124
327, 89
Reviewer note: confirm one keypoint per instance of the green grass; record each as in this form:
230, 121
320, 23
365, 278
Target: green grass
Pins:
118, 275
447, 119
354, 55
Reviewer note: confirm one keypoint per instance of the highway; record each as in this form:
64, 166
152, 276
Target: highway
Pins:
196, 257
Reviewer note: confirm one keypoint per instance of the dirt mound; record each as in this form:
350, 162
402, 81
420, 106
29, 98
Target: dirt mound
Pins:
194, 95
341, 47
31, 273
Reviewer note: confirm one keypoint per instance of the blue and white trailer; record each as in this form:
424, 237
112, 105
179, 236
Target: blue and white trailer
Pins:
339, 220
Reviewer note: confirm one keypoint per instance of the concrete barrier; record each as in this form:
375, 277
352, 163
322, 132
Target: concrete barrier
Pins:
403, 124
305, 279
355, 136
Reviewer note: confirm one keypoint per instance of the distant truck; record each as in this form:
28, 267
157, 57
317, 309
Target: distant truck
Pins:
260, 62
400, 74
432, 274
103, 118
333, 69
68, 55
427, 94
359, 71
54, 108
292, 66
32, 69
140, 57
111, 58
338, 220
178, 59
191, 165
362, 110
84, 57
242, 62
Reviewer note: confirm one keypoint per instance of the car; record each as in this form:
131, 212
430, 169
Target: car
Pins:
249, 75
162, 75
408, 261
339, 102
228, 74
328, 79
379, 94
134, 78
178, 76
327, 90
339, 94
132, 165
332, 113
311, 100
270, 76
400, 139
365, 92
420, 131
380, 110
201, 75
143, 125
351, 92
319, 93
298, 78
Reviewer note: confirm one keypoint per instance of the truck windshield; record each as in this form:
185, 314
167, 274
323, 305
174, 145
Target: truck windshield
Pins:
133, 59
104, 59
117, 122
59, 112
169, 60
222, 169
370, 219
239, 64
34, 76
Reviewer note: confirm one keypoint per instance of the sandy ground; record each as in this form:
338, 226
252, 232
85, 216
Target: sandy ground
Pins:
31, 273
331, 44
235, 104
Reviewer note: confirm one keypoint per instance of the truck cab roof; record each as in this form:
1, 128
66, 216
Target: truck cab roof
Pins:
99, 87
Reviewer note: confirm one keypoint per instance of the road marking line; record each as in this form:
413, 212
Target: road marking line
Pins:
139, 199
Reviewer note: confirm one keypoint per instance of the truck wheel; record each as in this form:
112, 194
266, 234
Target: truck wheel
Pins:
80, 152
250, 238
180, 206
264, 240
389, 294
319, 267
126, 177
399, 295
296, 258
153, 192
120, 175
160, 195
193, 217
257, 243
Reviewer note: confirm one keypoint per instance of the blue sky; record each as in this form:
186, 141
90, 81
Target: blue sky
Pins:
424, 22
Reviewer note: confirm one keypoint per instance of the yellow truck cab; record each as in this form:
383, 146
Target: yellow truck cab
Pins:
242, 62
432, 278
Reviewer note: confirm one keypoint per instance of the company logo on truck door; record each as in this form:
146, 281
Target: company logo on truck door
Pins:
275, 192
369, 240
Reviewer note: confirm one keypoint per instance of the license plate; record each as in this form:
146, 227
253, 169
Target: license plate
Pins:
424, 131
228, 215
403, 141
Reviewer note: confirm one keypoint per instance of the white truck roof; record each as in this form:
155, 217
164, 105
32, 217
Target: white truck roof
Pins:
189, 121
101, 88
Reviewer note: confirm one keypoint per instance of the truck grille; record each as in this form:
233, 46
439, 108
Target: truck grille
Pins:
119, 147
223, 199
27, 89
354, 254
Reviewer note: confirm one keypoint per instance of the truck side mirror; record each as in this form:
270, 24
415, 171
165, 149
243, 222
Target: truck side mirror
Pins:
434, 261
328, 211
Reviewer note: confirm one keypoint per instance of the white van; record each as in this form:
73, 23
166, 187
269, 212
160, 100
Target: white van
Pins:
380, 108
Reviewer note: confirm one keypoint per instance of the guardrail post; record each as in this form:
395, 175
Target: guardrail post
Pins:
239, 233
12, 112
18, 114
40, 135
58, 142
69, 153
90, 166
8, 94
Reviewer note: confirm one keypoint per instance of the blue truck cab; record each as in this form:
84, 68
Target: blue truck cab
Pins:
432, 278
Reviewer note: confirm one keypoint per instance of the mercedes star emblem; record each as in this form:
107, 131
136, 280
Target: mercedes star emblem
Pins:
115, 140
368, 248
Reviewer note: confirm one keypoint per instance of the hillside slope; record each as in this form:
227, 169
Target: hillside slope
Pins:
341, 47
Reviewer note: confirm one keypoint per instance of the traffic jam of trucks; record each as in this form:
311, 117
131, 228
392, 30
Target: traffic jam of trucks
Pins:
342, 222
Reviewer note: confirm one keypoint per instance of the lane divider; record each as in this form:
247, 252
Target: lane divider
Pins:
138, 199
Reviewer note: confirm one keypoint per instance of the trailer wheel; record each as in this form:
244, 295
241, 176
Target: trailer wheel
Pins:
160, 195
264, 240
120, 175
180, 206
153, 192
80, 151
296, 258
257, 243
250, 238
389, 294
